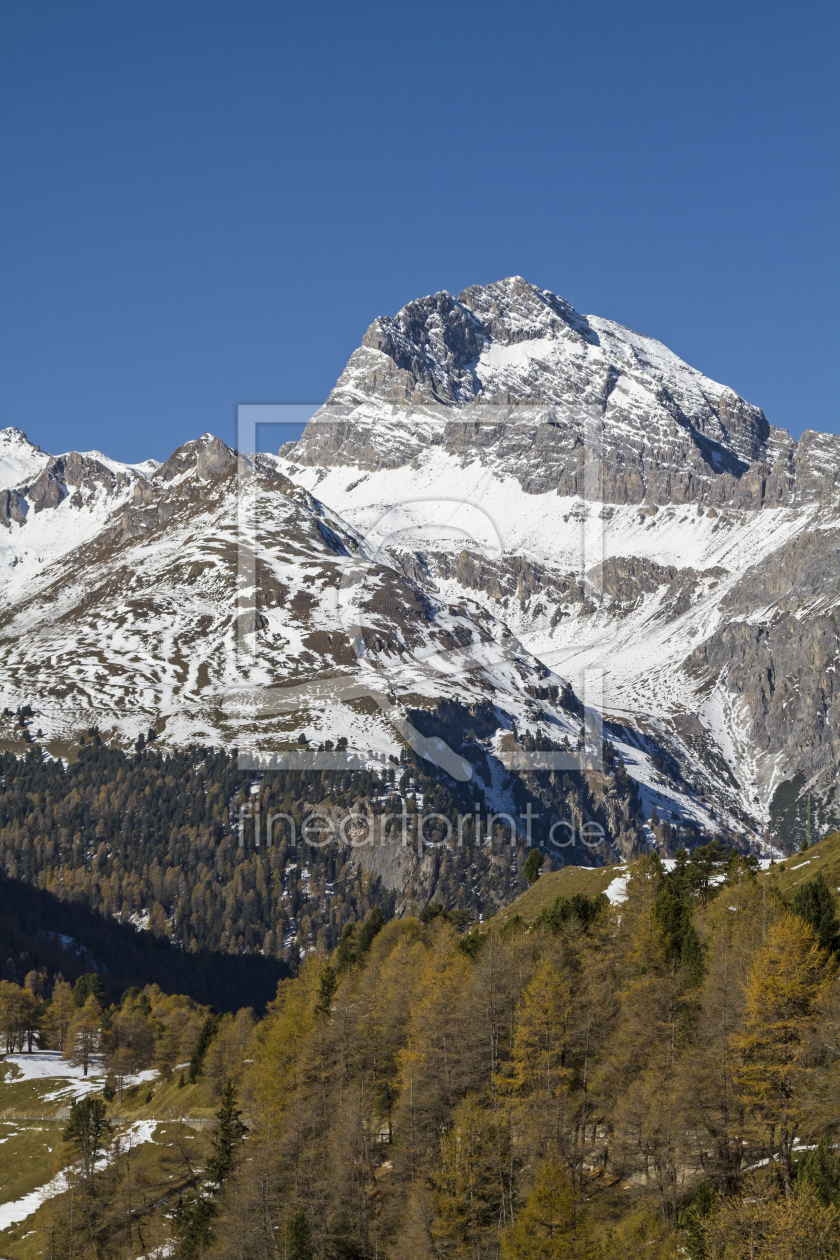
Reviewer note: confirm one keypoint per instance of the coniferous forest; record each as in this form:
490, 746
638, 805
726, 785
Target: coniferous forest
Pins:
655, 1078
153, 838
157, 839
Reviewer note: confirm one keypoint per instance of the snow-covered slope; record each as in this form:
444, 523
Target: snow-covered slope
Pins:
500, 497
223, 603
50, 504
619, 510
19, 459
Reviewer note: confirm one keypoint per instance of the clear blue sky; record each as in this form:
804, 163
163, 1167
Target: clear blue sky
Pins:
203, 204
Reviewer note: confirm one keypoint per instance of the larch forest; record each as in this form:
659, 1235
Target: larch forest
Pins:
656, 1077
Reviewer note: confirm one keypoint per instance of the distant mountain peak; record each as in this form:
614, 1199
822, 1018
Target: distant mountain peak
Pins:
513, 354
12, 438
708, 606
20, 459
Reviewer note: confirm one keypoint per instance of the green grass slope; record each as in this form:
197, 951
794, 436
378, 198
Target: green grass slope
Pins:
32, 1151
786, 876
590, 880
820, 858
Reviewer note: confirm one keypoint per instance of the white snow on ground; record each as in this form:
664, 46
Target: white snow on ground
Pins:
48, 1065
617, 891
20, 461
26, 550
145, 469
19, 1209
438, 504
141, 1131
544, 527
798, 1146
130, 663
75, 1090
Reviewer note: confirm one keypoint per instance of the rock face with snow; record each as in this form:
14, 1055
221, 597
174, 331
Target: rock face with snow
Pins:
217, 599
504, 507
513, 375
649, 524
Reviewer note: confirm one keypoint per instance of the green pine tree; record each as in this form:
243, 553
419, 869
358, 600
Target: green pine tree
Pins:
691, 958
821, 1171
374, 925
696, 1236
298, 1239
346, 953
208, 1031
229, 1133
707, 861
193, 1219
87, 985
672, 910
533, 862
192, 1223
87, 1130
326, 991
814, 902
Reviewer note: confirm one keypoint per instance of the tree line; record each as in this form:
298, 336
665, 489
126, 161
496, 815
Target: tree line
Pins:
153, 838
657, 1077
656, 1074
60, 938
145, 1029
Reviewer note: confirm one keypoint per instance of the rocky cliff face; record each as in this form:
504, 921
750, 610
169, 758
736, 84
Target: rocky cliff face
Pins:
219, 601
514, 375
645, 522
507, 510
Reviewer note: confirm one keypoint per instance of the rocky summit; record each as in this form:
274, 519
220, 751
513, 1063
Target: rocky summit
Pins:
645, 522
509, 522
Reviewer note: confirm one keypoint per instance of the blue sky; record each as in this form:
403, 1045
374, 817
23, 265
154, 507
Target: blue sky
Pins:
204, 204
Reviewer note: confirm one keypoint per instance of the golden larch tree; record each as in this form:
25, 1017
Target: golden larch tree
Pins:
788, 976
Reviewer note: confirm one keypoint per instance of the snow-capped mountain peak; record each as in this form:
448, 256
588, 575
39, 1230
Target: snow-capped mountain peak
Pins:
638, 504
697, 578
539, 384
19, 458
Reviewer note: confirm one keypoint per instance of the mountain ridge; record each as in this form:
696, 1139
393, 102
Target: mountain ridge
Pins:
708, 505
426, 553
585, 372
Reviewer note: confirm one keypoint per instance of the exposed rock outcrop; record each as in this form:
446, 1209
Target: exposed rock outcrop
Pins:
513, 373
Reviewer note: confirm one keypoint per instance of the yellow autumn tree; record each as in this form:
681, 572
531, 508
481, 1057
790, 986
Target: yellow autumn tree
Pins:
539, 1048
60, 1013
84, 1035
9, 1016
762, 1226
431, 1060
788, 976
733, 926
469, 1185
282, 1040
